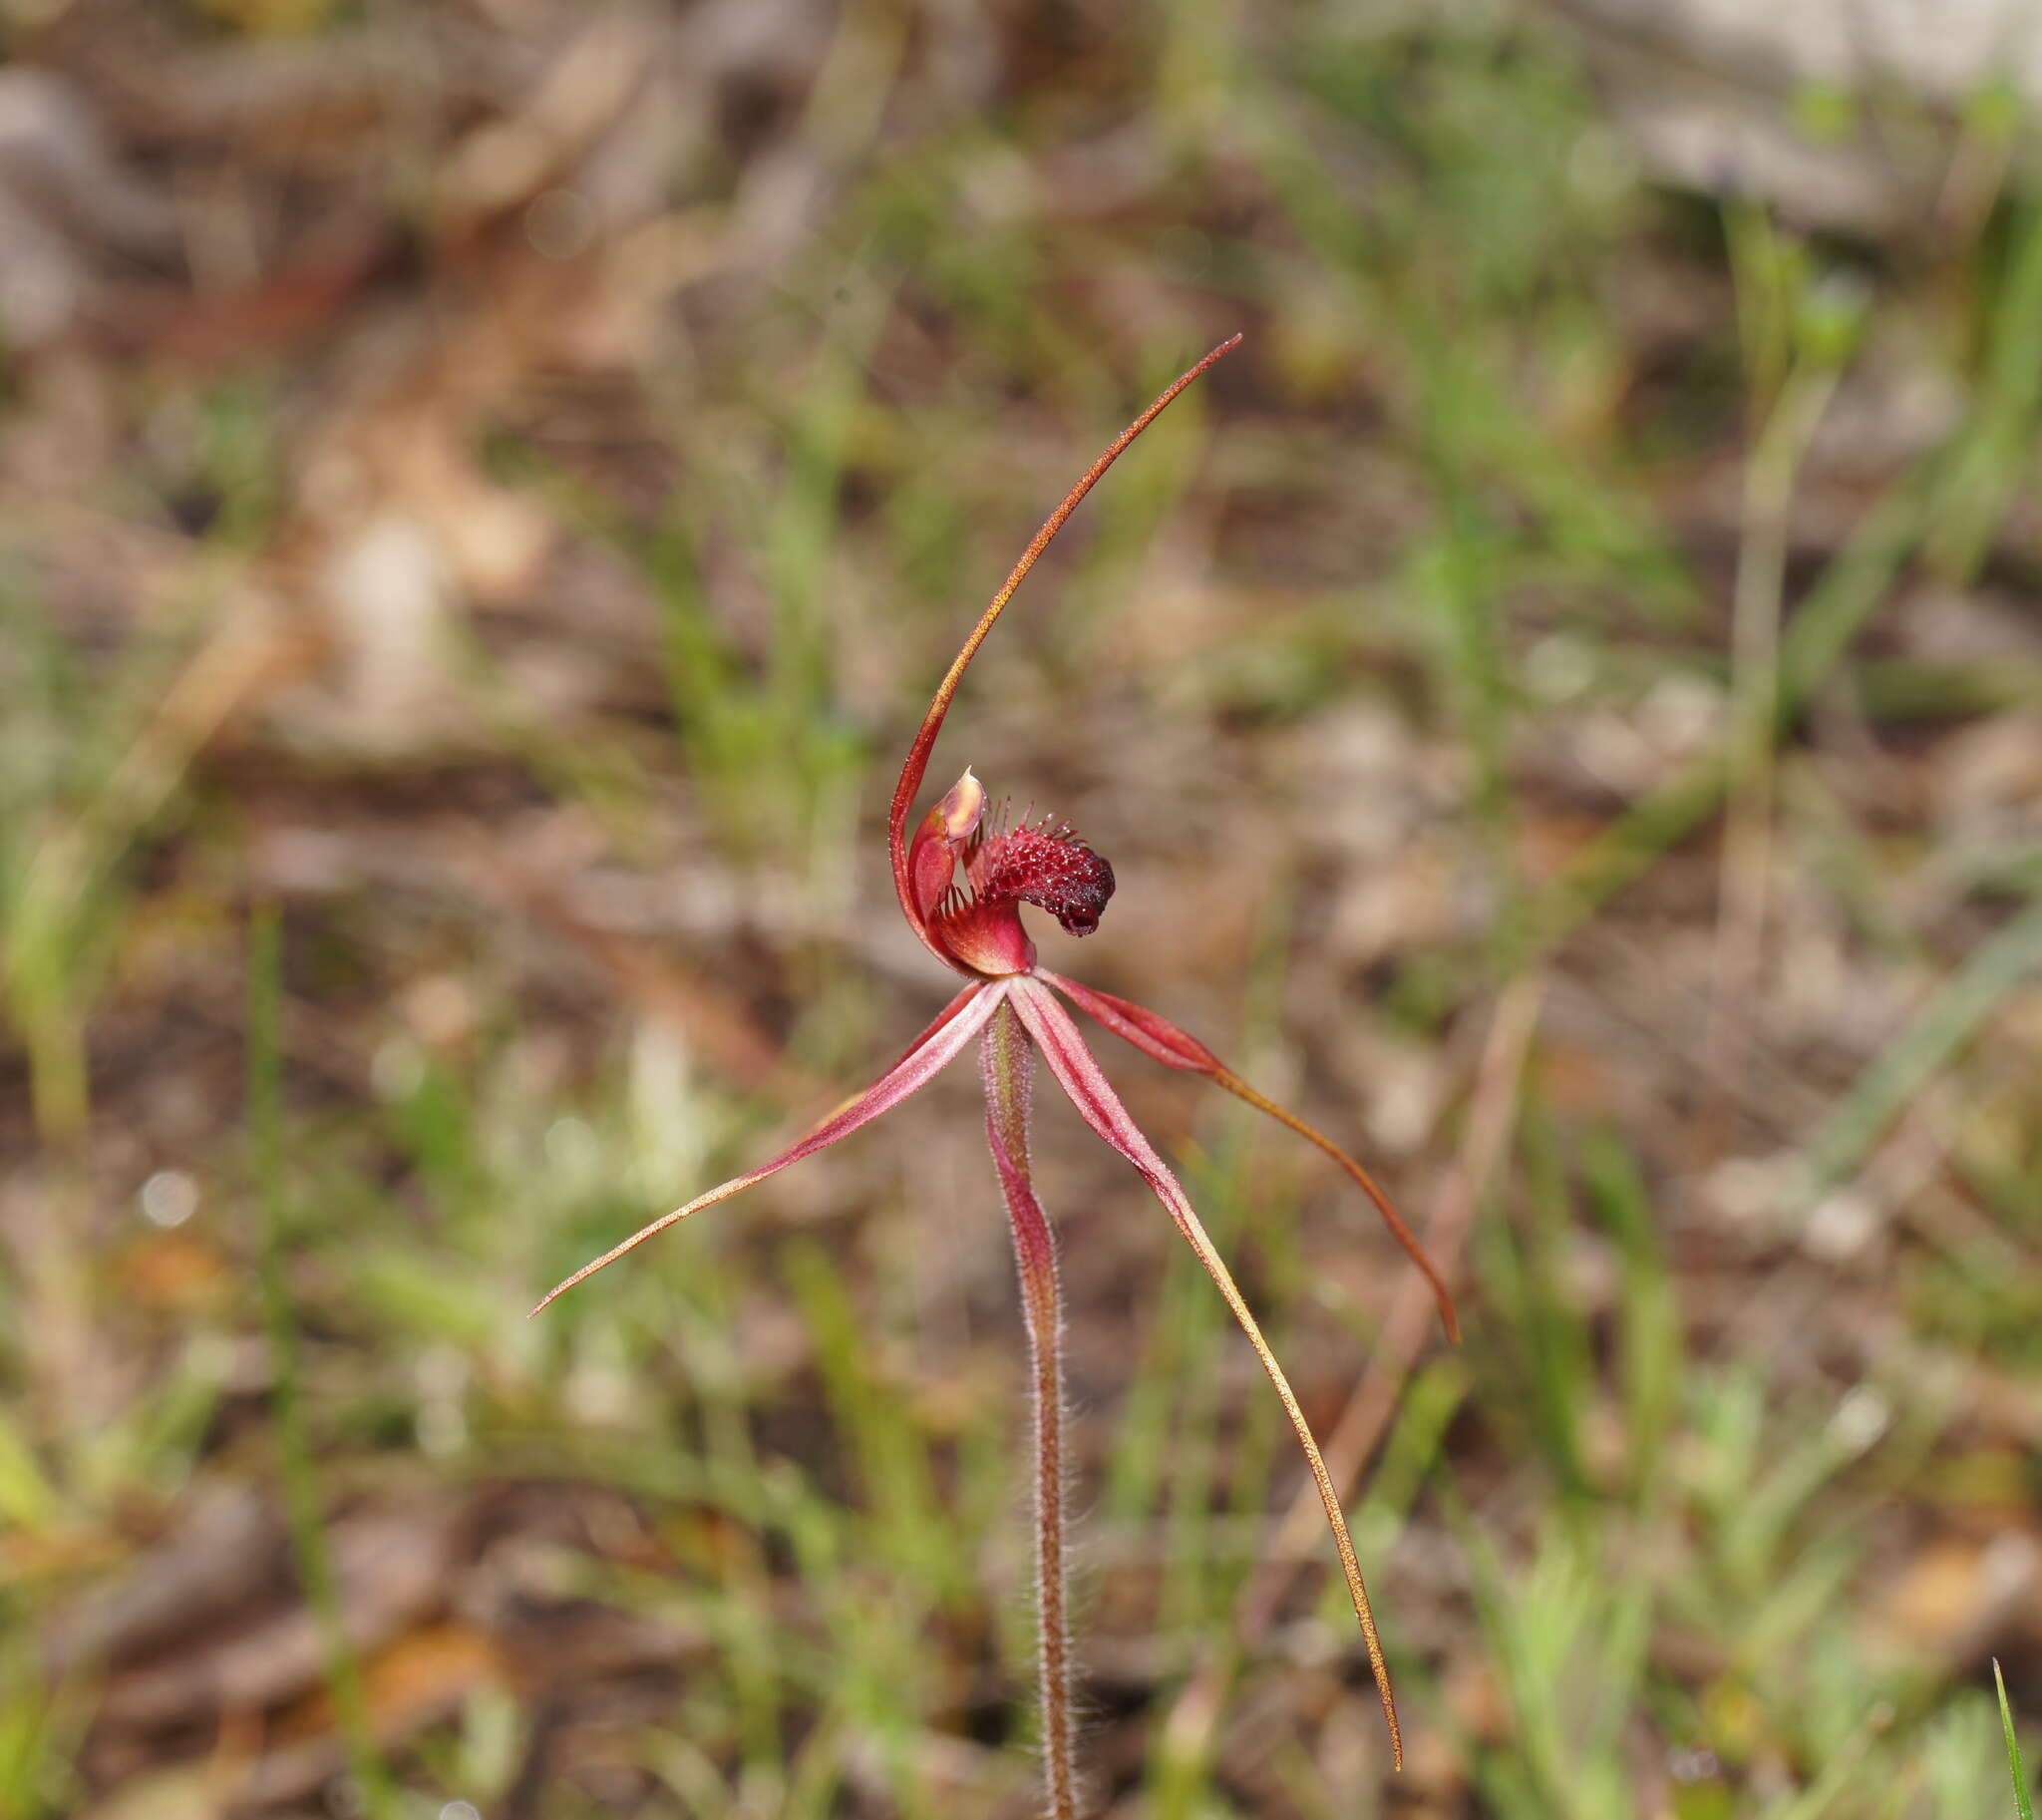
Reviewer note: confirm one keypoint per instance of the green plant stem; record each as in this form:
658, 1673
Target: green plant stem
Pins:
300, 1484
1008, 1061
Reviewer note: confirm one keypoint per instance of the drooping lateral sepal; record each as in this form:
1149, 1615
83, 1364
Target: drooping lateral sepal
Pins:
1088, 1089
1158, 1038
939, 1045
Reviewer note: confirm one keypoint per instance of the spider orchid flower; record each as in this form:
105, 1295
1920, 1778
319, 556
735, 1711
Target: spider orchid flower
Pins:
962, 877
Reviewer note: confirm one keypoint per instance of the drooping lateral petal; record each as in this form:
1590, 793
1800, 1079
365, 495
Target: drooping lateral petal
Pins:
929, 1031
1079, 1074
1161, 1040
933, 722
940, 1045
941, 1018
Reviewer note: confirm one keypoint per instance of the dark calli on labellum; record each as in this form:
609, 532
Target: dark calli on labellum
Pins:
977, 924
962, 879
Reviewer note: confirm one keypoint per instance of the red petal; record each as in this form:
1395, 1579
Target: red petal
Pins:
939, 1045
942, 1017
1154, 1036
945, 833
1078, 1073
1161, 1039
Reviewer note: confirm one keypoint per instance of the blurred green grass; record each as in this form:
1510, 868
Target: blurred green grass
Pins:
1628, 1544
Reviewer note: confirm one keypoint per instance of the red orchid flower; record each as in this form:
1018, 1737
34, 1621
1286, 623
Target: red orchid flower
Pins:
1010, 1003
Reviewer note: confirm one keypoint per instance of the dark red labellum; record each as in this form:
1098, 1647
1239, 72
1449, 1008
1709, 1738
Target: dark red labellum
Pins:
1050, 867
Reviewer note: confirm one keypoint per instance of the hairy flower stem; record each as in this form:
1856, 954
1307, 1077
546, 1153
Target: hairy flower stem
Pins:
1008, 1061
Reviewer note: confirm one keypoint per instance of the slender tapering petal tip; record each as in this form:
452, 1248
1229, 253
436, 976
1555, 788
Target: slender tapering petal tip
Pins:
1161, 1040
932, 1051
1087, 1088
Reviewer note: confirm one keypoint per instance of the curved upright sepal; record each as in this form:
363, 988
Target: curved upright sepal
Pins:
933, 722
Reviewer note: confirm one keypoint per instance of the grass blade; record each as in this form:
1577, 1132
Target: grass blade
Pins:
1906, 1065
2025, 1805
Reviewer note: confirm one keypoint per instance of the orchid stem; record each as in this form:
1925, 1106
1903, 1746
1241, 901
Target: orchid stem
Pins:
1008, 1060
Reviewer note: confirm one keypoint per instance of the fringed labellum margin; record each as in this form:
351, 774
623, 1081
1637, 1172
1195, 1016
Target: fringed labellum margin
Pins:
962, 877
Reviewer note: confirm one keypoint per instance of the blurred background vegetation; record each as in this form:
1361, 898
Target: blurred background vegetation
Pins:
486, 488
